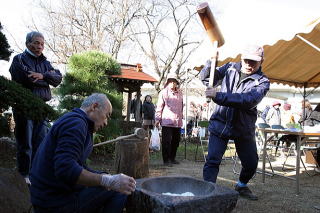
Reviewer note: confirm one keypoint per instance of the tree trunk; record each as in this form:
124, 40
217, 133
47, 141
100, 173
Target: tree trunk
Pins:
132, 157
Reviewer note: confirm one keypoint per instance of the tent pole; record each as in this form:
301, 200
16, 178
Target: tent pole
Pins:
304, 105
308, 42
186, 117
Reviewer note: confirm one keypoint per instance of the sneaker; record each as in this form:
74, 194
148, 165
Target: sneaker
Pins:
245, 192
175, 162
317, 170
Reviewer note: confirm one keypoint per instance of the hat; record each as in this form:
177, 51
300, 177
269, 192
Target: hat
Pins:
252, 52
276, 103
287, 106
172, 76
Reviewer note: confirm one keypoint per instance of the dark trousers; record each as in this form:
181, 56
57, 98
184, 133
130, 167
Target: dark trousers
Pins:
29, 134
91, 199
246, 150
170, 143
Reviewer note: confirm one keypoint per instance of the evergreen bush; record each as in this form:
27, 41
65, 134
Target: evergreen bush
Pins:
5, 51
23, 101
89, 73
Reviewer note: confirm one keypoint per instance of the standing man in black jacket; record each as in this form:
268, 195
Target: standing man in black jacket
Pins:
32, 70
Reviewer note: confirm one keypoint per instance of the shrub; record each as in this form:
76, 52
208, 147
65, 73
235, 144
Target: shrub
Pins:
88, 73
23, 101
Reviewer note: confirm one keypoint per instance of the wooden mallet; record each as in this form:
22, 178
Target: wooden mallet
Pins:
214, 34
139, 133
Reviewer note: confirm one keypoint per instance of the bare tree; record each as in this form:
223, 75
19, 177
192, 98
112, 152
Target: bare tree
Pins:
73, 26
164, 35
162, 29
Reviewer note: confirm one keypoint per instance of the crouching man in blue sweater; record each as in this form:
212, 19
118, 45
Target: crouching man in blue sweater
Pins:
60, 180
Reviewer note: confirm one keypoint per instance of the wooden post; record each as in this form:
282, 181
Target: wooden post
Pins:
132, 157
129, 106
138, 107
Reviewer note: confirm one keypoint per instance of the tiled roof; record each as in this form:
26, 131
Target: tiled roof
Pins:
132, 74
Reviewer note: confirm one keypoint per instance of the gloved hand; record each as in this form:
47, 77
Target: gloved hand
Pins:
211, 92
120, 183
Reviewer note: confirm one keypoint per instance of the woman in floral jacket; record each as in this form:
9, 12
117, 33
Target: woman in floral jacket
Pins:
169, 116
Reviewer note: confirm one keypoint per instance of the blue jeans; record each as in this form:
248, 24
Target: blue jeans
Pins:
246, 149
29, 134
91, 200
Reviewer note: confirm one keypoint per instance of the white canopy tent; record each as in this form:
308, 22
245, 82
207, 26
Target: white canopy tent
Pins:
295, 62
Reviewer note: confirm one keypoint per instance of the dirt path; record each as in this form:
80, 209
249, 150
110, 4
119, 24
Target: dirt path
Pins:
276, 195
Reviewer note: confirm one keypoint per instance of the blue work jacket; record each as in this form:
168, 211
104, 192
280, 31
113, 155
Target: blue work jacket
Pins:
21, 66
235, 114
60, 159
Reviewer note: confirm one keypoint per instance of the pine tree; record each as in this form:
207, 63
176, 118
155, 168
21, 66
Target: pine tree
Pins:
89, 73
5, 52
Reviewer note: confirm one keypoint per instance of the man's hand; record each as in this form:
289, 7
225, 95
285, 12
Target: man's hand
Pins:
211, 92
215, 55
120, 183
35, 75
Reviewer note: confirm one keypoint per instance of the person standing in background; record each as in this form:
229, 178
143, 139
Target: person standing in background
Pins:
134, 106
306, 112
33, 71
169, 115
287, 116
192, 112
274, 114
148, 111
199, 113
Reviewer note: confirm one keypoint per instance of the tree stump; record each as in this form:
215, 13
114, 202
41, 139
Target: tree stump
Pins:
132, 157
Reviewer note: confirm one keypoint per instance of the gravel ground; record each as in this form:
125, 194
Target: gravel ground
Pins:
276, 195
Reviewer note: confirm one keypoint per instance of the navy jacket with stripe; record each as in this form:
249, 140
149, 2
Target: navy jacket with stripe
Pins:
235, 114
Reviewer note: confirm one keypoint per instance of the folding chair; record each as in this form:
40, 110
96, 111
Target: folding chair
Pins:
236, 163
277, 138
313, 150
259, 140
203, 141
229, 148
303, 149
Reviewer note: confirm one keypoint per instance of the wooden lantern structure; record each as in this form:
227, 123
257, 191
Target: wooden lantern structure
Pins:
130, 80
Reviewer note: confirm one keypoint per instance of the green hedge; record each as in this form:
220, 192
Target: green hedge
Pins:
23, 101
88, 73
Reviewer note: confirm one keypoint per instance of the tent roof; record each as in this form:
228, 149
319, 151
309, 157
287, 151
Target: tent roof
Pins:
293, 62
